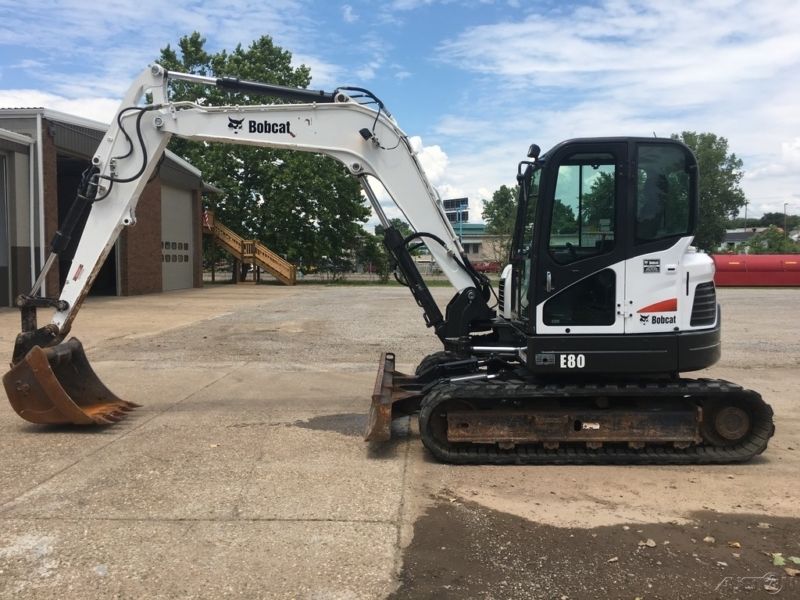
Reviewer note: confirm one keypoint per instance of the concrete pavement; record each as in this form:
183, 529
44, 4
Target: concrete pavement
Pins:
244, 474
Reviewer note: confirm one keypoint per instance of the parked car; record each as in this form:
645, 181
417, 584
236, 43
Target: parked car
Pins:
487, 266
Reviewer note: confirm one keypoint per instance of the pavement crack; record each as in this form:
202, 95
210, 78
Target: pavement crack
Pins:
401, 510
245, 483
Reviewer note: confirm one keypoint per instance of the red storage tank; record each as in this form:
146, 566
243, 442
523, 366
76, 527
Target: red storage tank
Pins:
757, 269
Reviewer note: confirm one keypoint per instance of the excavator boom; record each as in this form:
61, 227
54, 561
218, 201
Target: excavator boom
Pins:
366, 141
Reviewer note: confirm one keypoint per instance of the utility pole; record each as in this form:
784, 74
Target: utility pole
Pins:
745, 215
785, 231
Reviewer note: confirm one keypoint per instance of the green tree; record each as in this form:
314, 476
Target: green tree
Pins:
721, 196
777, 219
301, 205
564, 220
500, 214
740, 223
598, 202
772, 240
405, 230
401, 226
373, 256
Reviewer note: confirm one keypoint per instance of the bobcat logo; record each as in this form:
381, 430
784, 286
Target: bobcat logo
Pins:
643, 319
234, 124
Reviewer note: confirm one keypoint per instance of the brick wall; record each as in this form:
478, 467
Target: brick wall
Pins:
140, 246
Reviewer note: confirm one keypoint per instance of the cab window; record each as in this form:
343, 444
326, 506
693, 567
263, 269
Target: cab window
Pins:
662, 193
525, 238
583, 219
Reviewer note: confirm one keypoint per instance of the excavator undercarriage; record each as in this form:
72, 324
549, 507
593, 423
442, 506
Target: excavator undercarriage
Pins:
512, 420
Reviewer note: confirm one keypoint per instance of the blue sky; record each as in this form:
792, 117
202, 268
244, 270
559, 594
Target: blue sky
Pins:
477, 81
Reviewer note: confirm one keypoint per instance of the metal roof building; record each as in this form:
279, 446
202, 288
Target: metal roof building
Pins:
42, 156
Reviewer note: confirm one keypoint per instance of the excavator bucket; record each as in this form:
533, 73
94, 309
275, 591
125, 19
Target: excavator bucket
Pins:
56, 385
395, 395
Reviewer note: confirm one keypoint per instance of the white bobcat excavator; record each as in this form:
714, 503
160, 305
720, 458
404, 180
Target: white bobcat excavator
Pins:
603, 304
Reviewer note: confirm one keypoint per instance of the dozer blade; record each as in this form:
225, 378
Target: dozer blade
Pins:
56, 385
395, 395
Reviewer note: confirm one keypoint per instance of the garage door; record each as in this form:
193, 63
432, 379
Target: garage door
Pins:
176, 238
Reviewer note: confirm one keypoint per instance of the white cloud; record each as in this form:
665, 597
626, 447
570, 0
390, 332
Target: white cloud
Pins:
113, 41
323, 74
789, 162
348, 14
629, 67
791, 152
549, 71
409, 4
368, 71
432, 158
28, 63
71, 26
664, 46
779, 180
96, 109
447, 191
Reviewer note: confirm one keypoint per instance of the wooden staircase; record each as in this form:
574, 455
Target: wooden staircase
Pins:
249, 251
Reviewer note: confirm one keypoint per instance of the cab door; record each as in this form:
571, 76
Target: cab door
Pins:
580, 251
661, 220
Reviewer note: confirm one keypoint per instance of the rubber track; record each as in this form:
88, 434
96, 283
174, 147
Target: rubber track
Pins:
576, 453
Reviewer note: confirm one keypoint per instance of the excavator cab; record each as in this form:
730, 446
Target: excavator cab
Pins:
604, 303
603, 274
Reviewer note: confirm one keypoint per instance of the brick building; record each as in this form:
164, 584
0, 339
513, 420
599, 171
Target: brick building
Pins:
42, 156
479, 245
481, 248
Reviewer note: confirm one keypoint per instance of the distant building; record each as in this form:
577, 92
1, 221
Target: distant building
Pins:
479, 246
42, 156
735, 238
475, 242
457, 210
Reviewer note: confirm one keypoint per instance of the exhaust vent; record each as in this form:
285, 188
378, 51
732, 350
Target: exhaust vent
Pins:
704, 309
501, 295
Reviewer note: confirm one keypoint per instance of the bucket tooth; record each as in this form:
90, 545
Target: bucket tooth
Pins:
57, 385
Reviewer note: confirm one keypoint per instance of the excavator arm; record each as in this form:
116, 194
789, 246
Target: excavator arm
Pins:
367, 141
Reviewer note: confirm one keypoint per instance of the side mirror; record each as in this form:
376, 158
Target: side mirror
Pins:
534, 151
